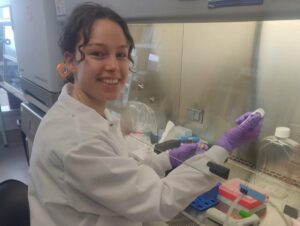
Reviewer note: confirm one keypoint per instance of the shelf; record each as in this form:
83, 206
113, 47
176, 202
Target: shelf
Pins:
12, 90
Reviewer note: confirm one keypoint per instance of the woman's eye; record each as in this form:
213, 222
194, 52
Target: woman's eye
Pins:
122, 56
98, 54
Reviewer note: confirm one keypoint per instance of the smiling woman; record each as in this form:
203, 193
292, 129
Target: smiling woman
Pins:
103, 71
97, 50
82, 171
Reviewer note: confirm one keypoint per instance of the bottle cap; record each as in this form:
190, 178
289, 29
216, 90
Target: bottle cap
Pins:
260, 111
282, 132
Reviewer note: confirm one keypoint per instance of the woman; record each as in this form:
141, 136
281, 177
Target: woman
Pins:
81, 172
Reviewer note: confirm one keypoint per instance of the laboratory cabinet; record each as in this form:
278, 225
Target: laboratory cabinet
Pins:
36, 35
180, 10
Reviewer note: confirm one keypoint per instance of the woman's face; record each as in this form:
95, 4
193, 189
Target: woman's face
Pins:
102, 74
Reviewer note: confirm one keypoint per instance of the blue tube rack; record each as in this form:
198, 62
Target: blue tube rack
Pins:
206, 200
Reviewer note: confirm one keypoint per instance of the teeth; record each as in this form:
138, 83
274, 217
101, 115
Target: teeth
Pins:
110, 81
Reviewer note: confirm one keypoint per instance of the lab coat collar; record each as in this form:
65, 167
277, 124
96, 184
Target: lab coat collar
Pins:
77, 108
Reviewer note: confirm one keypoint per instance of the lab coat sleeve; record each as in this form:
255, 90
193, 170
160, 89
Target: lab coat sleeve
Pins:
144, 154
160, 163
96, 178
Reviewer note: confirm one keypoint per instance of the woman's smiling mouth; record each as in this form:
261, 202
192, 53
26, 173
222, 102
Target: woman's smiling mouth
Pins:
109, 81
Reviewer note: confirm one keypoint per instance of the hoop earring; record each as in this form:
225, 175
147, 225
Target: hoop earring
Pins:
62, 70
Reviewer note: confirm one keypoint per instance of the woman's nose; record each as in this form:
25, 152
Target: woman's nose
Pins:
111, 63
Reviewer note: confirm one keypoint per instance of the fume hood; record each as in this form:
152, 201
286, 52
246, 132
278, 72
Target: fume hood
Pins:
37, 30
190, 10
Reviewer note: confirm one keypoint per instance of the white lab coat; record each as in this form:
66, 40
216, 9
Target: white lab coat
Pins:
82, 174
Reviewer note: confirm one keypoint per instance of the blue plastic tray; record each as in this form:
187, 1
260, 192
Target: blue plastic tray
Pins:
206, 200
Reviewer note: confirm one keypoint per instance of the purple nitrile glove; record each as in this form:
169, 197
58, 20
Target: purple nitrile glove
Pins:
247, 129
202, 147
242, 118
182, 153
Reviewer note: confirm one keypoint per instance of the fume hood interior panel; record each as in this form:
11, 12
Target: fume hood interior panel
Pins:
222, 70
180, 10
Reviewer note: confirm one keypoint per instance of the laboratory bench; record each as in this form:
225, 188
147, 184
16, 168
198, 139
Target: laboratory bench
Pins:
281, 191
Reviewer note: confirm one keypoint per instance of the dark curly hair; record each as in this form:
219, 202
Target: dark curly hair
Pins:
79, 25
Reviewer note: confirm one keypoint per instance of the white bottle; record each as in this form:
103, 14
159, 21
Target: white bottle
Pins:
278, 153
